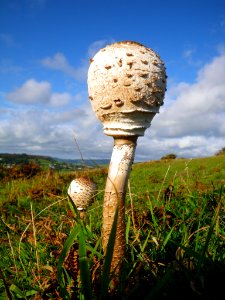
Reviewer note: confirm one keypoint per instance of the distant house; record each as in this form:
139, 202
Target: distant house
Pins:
52, 167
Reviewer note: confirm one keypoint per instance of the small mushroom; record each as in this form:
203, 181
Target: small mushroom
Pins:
82, 191
125, 120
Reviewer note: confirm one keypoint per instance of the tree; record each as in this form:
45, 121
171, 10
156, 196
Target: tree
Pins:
169, 156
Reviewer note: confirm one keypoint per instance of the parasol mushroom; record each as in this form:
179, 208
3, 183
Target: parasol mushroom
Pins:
82, 191
126, 86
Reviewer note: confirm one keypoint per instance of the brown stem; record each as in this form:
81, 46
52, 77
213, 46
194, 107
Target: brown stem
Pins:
115, 192
83, 214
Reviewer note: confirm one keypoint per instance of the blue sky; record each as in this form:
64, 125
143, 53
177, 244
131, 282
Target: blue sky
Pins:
45, 47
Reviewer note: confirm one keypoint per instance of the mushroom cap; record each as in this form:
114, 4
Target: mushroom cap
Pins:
126, 86
82, 191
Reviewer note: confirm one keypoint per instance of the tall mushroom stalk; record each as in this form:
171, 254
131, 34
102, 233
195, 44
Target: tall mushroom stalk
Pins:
126, 85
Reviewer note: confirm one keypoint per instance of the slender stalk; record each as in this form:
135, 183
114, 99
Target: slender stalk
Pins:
13, 254
34, 235
115, 192
132, 206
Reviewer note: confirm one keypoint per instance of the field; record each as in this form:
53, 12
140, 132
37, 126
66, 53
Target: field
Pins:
175, 233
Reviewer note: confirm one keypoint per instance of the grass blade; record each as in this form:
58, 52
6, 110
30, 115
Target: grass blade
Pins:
128, 226
108, 259
210, 231
142, 247
73, 207
168, 237
69, 242
84, 270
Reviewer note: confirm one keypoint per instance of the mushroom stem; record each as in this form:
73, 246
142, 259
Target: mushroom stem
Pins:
115, 193
83, 215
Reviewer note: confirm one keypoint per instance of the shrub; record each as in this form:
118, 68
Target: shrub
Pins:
27, 170
221, 151
169, 156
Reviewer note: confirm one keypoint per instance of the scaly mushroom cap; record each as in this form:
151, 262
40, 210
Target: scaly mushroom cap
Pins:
126, 85
82, 191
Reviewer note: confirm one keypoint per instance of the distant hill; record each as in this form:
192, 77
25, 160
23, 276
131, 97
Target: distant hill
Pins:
22, 158
54, 162
86, 162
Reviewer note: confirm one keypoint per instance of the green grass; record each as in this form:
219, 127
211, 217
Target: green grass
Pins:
183, 173
175, 241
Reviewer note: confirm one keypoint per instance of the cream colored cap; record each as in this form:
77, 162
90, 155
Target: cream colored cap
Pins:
126, 85
82, 191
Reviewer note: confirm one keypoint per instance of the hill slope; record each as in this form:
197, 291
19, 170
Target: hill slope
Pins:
202, 174
15, 159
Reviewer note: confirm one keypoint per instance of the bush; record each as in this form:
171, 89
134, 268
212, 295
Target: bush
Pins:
221, 152
27, 170
169, 156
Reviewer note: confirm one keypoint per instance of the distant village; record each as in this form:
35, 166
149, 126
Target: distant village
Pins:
11, 160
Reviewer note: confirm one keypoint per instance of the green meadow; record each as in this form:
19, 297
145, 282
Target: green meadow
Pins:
175, 233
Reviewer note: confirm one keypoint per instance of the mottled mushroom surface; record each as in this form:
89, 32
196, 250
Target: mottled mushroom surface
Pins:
126, 85
82, 191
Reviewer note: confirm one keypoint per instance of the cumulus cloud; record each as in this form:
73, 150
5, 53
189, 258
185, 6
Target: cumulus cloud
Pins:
193, 121
59, 62
52, 132
31, 92
58, 99
34, 92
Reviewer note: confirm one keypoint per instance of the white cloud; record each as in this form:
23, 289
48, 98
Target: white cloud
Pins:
188, 146
57, 62
193, 120
97, 45
200, 105
30, 92
58, 99
34, 92
52, 132
189, 56
60, 63
188, 53
213, 73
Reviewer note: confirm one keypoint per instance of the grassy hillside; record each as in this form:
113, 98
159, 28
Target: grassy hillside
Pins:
175, 233
8, 158
190, 175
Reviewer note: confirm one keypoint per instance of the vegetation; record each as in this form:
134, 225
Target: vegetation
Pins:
221, 151
10, 161
175, 234
169, 156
